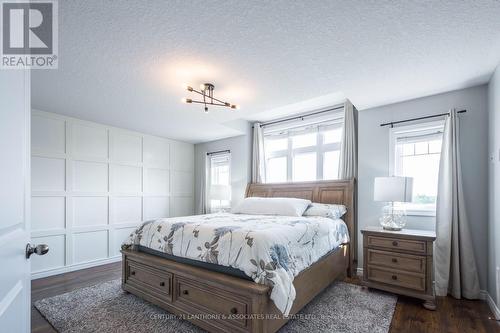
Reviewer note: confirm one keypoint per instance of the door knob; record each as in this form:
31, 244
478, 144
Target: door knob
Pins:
38, 249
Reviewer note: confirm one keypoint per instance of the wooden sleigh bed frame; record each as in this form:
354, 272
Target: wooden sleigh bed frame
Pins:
219, 302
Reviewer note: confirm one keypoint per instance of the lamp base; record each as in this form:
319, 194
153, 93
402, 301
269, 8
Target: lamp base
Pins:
392, 218
392, 228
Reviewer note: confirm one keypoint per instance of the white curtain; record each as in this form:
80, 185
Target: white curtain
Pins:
348, 164
202, 208
455, 266
258, 158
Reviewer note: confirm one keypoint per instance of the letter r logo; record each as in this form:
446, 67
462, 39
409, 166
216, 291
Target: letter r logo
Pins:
27, 28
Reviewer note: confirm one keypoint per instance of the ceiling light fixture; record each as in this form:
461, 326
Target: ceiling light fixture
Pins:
207, 92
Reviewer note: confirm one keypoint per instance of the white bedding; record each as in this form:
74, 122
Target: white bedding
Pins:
272, 250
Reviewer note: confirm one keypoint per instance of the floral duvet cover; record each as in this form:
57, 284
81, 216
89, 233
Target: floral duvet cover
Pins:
272, 250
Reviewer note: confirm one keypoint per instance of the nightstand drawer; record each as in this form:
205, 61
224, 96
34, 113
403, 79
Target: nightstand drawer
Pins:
414, 246
399, 261
397, 278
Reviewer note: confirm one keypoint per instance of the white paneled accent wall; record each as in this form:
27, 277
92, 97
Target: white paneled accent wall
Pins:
93, 184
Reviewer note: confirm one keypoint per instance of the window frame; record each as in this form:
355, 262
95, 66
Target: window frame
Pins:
423, 128
208, 182
320, 148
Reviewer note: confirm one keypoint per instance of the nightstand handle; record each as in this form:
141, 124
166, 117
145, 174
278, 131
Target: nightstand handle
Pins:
394, 277
394, 243
394, 260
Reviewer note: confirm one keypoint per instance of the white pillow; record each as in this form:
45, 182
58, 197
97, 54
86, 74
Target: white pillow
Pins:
326, 210
272, 206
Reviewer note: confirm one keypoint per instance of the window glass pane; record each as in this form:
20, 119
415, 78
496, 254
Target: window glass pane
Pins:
421, 147
331, 164
424, 169
219, 170
218, 183
276, 170
435, 146
332, 136
408, 148
304, 167
417, 155
271, 145
304, 140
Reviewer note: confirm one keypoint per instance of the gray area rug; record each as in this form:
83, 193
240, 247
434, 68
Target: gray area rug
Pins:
342, 307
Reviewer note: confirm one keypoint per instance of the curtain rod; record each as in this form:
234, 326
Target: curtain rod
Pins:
219, 152
301, 117
392, 123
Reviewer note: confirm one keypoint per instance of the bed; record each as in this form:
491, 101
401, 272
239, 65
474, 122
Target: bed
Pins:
223, 298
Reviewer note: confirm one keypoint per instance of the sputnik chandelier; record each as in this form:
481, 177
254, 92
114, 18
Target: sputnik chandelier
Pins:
207, 92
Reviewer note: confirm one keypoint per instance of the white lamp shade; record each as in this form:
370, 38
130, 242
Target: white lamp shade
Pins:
220, 192
395, 189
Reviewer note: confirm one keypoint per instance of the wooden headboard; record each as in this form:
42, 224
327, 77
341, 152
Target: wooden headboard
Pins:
326, 191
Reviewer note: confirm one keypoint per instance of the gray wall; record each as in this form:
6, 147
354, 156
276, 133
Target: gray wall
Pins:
374, 160
494, 188
241, 156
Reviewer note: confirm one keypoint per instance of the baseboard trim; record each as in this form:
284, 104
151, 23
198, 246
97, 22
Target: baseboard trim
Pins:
75, 267
491, 303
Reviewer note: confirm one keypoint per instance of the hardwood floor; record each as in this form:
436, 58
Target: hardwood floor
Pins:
410, 317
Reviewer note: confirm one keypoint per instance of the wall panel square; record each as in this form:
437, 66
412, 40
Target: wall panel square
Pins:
48, 135
182, 156
126, 179
156, 151
156, 207
90, 211
182, 183
90, 176
48, 174
125, 147
157, 181
126, 209
48, 213
55, 258
89, 141
88, 246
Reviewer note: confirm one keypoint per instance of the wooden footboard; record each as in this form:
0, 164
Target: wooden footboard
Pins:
218, 302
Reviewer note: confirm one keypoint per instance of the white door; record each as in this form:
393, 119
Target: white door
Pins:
14, 200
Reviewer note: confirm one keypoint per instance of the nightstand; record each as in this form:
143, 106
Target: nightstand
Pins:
399, 262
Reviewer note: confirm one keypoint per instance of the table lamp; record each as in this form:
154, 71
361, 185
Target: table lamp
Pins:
391, 190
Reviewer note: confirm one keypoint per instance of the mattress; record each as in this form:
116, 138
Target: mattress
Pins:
270, 250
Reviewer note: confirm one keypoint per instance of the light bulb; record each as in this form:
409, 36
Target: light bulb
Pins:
202, 86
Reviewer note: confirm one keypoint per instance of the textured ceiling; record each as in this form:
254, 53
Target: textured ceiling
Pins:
124, 63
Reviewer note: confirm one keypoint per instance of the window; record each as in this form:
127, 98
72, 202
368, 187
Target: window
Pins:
415, 152
303, 154
219, 182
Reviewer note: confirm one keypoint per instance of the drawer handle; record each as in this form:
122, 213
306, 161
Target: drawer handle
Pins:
185, 292
394, 243
394, 260
234, 311
132, 273
162, 284
394, 277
